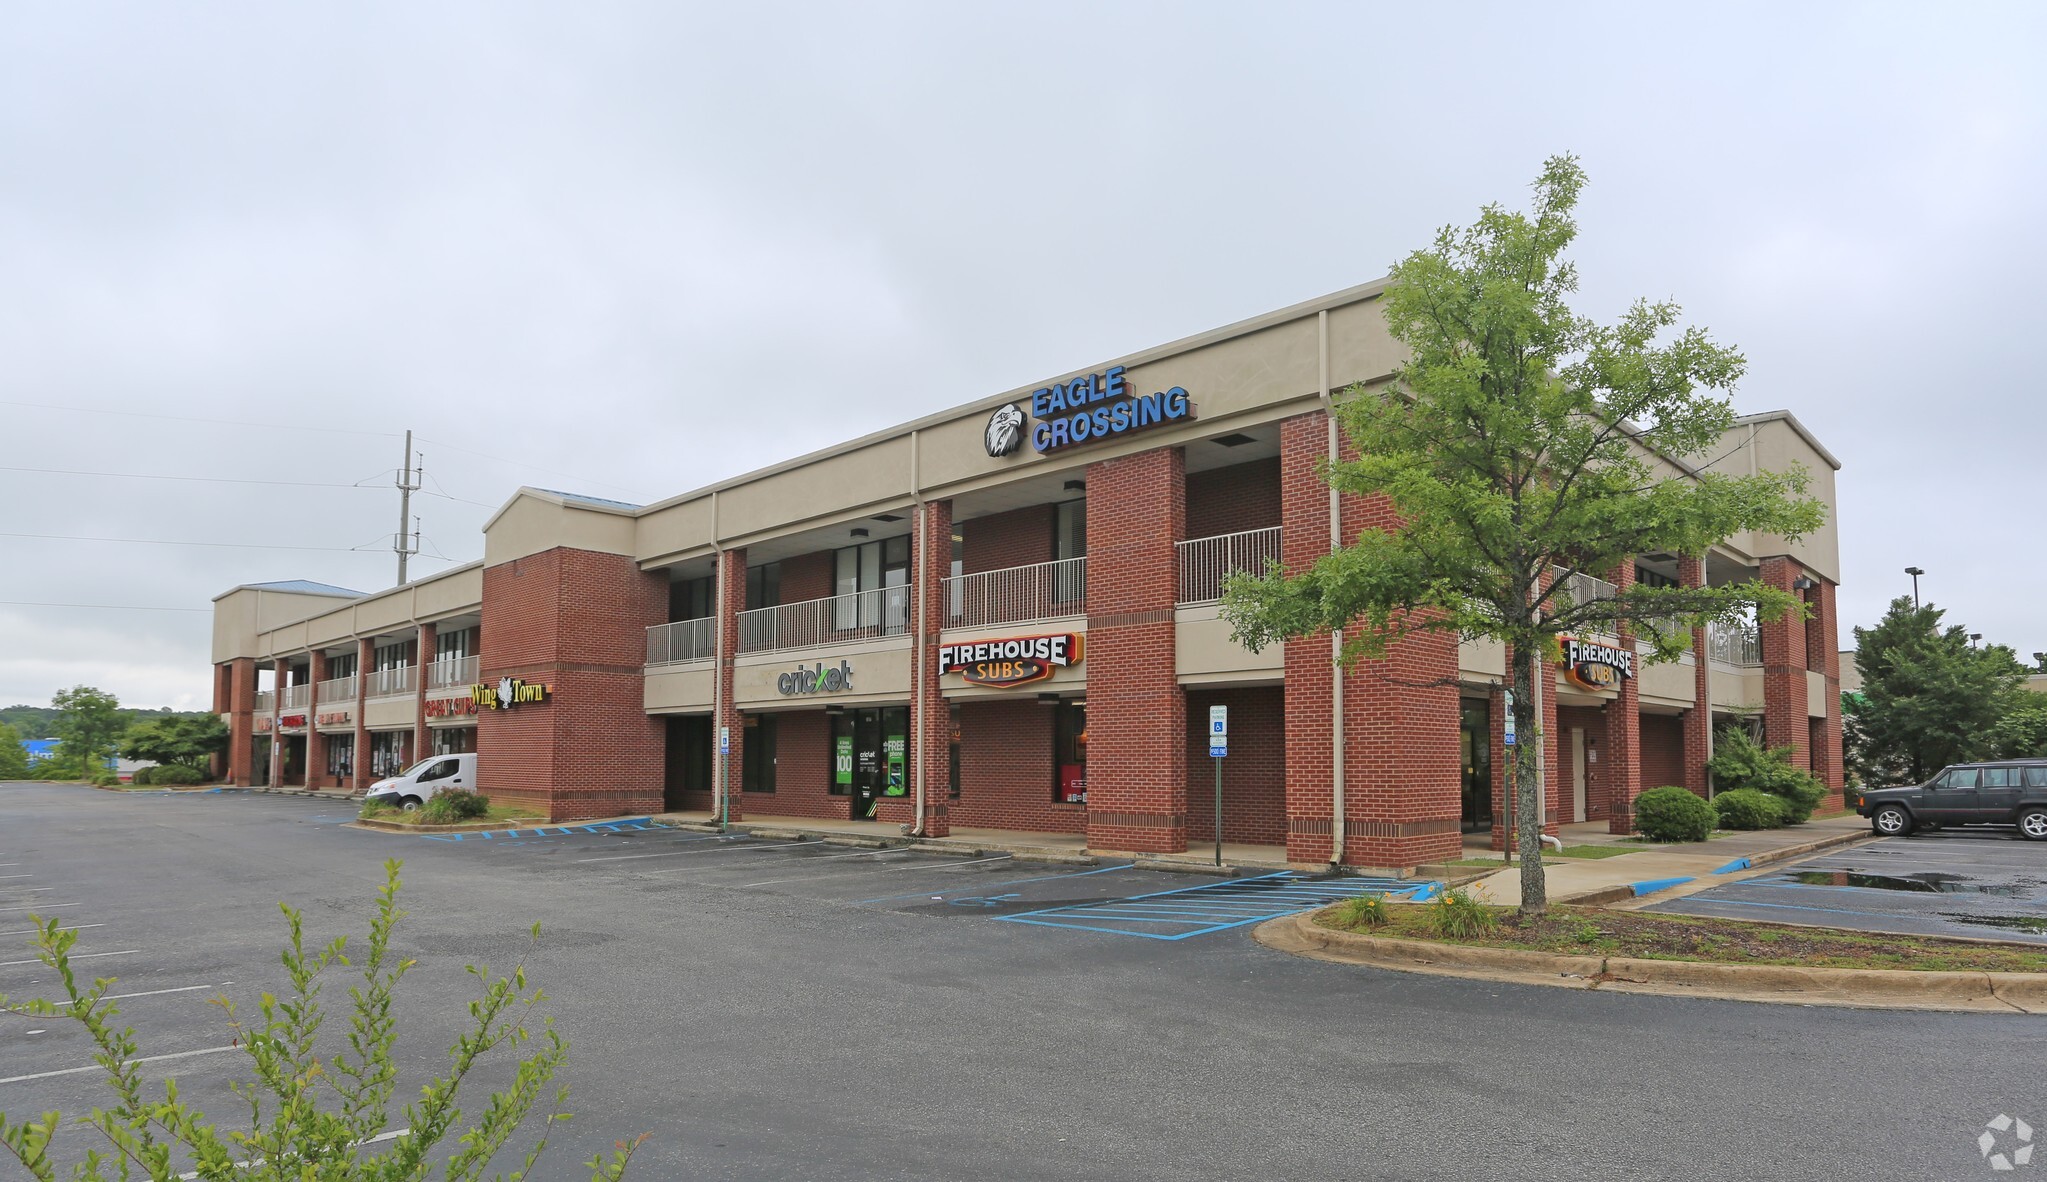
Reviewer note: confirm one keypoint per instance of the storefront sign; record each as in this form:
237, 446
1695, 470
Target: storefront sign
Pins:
818, 679
1596, 666
262, 722
336, 718
508, 692
1011, 662
1091, 406
450, 707
292, 720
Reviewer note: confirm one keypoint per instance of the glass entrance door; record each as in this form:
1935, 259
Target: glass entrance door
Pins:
869, 757
1475, 743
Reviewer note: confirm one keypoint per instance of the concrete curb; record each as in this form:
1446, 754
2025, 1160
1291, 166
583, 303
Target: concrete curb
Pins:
1980, 992
1728, 872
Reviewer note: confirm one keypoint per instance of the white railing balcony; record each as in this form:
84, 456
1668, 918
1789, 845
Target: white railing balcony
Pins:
393, 683
1017, 594
297, 697
884, 611
266, 701
1206, 562
337, 689
682, 642
452, 673
1582, 588
1734, 646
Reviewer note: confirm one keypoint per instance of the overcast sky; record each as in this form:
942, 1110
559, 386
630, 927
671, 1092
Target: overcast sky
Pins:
629, 249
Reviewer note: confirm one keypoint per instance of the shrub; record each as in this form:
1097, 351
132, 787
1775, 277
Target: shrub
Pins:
1365, 911
375, 808
1457, 915
1741, 762
172, 773
1746, 808
1673, 814
106, 777
448, 808
317, 1112
144, 775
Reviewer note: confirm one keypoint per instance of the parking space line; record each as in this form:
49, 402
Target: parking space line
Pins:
987, 885
74, 956
733, 843
17, 876
96, 1067
40, 906
155, 992
733, 849
76, 927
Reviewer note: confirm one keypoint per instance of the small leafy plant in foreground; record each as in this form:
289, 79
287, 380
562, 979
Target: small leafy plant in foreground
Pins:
311, 1117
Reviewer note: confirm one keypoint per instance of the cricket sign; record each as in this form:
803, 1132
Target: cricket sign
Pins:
1011, 661
1596, 666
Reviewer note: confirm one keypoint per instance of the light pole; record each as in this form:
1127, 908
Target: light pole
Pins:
1973, 638
1915, 572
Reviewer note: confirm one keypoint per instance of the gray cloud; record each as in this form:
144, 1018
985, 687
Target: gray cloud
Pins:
650, 246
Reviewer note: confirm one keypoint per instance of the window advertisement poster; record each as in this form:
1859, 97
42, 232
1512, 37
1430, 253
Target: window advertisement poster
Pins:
892, 749
842, 762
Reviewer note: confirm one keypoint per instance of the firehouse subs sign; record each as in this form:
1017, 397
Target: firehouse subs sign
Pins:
507, 693
1596, 666
1011, 662
1091, 406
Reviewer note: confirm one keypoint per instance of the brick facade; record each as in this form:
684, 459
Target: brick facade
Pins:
1006, 772
1663, 751
1234, 499
1018, 537
1784, 667
1254, 772
930, 715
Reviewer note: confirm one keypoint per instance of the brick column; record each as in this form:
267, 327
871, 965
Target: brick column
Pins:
1827, 638
725, 770
316, 743
240, 675
365, 652
279, 670
930, 718
1137, 713
1784, 665
422, 740
1620, 756
1698, 721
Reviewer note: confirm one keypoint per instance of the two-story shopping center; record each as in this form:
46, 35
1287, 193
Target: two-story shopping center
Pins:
1006, 616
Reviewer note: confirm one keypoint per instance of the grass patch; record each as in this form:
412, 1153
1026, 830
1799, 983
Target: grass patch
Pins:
499, 813
1591, 931
1594, 851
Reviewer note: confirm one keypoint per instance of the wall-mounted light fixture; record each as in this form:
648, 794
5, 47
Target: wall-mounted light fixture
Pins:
1803, 583
1076, 486
859, 531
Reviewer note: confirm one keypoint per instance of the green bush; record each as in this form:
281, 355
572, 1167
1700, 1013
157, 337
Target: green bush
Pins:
144, 775
1457, 915
1673, 814
1365, 911
106, 777
1741, 762
1746, 808
375, 808
317, 1112
172, 773
448, 808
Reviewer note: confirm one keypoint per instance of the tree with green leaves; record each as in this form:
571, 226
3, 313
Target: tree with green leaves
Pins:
180, 740
1929, 697
2021, 728
1520, 441
13, 756
88, 727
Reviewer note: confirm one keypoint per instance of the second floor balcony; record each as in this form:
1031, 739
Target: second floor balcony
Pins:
296, 697
682, 642
1017, 594
336, 691
864, 615
452, 673
1206, 562
397, 681
1734, 646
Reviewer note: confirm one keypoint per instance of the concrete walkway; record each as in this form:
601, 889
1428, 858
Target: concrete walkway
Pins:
1657, 867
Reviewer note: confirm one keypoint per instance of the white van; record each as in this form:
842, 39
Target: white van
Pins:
417, 784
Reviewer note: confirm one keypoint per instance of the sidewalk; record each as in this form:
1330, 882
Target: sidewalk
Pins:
1658, 867
968, 840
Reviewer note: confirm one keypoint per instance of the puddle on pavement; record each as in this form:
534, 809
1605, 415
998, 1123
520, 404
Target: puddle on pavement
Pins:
2032, 924
1920, 883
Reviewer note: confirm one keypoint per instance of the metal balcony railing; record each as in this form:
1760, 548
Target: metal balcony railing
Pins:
394, 682
1734, 646
337, 689
683, 641
1206, 562
297, 697
884, 611
452, 673
266, 701
1583, 588
1017, 594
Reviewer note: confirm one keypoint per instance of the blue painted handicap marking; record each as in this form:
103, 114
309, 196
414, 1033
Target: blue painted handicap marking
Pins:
522, 836
1215, 906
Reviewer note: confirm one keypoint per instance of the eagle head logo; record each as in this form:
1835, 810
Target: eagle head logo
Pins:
1005, 430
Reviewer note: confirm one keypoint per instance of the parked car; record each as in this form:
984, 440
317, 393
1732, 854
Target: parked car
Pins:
419, 783
2007, 792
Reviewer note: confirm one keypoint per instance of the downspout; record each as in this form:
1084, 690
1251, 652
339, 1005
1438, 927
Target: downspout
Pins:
723, 762
919, 699
1336, 784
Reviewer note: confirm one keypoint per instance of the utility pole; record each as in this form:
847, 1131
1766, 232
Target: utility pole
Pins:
405, 542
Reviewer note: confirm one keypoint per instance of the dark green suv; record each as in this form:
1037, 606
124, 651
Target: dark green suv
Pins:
2007, 792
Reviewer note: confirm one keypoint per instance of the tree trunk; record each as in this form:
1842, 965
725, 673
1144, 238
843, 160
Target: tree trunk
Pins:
1528, 782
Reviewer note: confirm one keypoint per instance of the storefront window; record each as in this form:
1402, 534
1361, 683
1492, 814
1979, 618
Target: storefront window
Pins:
341, 754
341, 666
452, 646
388, 752
1069, 540
757, 754
454, 740
690, 599
1069, 752
763, 585
870, 757
872, 566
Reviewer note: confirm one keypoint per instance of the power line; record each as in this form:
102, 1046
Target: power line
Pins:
143, 414
163, 542
427, 492
534, 467
119, 607
204, 479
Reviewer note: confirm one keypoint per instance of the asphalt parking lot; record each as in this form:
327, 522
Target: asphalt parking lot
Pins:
1975, 883
784, 1009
